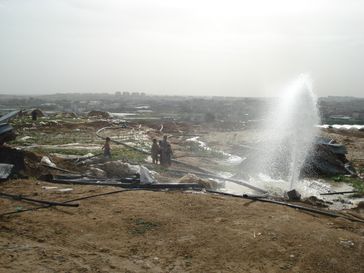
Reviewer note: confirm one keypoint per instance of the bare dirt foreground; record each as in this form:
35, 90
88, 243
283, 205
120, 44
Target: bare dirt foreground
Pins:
144, 231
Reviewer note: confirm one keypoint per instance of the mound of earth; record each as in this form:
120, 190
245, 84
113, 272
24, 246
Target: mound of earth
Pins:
99, 114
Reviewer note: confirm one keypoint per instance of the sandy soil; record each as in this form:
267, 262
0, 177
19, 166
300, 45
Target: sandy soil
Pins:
171, 232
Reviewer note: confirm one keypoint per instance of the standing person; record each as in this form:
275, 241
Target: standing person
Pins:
107, 148
166, 152
161, 159
34, 114
154, 151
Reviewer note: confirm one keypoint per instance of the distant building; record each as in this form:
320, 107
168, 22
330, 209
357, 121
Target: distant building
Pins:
118, 93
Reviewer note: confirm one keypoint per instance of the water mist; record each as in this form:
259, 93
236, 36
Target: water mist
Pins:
289, 133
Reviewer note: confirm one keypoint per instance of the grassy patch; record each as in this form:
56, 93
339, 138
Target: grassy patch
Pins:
62, 151
55, 137
356, 183
123, 153
118, 153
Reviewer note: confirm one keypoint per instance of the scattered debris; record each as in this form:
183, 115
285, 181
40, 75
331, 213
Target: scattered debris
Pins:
96, 172
314, 201
46, 161
328, 158
118, 168
49, 187
65, 190
293, 195
146, 177
346, 243
25, 138
206, 183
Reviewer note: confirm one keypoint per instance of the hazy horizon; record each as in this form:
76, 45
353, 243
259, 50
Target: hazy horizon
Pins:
202, 48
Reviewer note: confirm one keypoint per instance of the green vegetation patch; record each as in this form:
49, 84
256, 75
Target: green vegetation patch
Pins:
117, 152
356, 183
80, 152
123, 153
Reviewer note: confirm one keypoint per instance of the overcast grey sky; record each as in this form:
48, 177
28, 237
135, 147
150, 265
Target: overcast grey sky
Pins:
192, 47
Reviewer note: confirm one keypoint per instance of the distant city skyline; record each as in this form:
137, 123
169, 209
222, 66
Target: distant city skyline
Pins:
202, 48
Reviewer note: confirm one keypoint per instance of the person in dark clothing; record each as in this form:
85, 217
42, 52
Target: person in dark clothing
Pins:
166, 152
154, 151
107, 148
160, 152
34, 115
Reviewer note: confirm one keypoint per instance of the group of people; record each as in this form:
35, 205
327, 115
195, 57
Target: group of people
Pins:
162, 152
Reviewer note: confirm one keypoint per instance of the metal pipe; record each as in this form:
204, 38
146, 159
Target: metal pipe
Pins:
19, 197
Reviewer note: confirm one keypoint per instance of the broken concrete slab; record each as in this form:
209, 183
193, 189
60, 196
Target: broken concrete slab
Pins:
118, 168
146, 177
5, 170
192, 178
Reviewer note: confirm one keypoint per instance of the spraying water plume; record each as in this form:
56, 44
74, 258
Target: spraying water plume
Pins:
289, 133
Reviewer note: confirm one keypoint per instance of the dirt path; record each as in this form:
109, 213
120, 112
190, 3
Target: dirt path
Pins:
171, 232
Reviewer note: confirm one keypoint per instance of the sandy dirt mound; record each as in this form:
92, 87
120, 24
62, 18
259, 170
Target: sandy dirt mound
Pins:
171, 232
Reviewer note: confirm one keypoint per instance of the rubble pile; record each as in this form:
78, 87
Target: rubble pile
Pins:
328, 158
192, 178
116, 168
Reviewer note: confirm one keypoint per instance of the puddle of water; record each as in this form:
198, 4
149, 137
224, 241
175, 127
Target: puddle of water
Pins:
306, 187
231, 159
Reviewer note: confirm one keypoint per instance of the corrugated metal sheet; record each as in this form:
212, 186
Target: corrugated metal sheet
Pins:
4, 128
5, 118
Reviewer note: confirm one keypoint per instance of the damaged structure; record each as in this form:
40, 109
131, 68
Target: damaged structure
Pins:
327, 158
